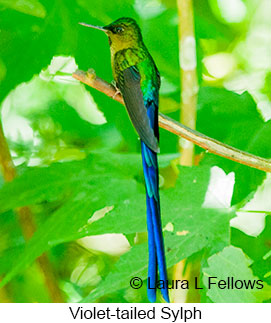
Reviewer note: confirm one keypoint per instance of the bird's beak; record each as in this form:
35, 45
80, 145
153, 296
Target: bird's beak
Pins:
91, 26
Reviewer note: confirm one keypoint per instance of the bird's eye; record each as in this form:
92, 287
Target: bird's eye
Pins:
118, 30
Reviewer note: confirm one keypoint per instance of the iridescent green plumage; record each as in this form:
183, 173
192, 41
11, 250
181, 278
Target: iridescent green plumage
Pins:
138, 80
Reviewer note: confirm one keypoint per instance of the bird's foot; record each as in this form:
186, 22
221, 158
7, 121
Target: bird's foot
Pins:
117, 90
116, 94
91, 74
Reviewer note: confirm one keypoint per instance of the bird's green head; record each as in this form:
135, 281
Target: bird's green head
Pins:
122, 33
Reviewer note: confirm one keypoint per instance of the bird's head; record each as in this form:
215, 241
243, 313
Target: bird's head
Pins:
122, 33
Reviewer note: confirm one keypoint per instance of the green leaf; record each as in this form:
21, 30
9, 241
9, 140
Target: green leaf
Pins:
60, 180
192, 228
208, 25
234, 120
232, 262
192, 181
64, 224
256, 248
82, 187
179, 245
29, 7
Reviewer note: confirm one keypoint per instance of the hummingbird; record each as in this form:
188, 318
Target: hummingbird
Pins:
138, 80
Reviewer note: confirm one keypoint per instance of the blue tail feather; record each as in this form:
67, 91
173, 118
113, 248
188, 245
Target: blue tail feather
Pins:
155, 235
152, 268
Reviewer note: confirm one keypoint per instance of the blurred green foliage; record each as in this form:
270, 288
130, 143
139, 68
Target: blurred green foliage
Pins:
78, 157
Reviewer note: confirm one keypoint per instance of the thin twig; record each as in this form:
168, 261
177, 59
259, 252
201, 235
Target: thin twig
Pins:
211, 145
27, 223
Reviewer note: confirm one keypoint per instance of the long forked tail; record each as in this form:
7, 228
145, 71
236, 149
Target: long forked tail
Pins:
155, 235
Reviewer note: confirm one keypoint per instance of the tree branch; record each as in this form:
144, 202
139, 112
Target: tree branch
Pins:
188, 115
188, 76
211, 145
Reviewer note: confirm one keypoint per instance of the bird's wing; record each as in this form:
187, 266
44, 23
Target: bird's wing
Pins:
129, 84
